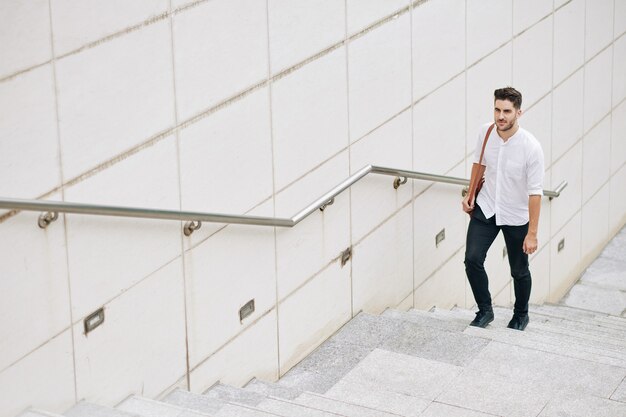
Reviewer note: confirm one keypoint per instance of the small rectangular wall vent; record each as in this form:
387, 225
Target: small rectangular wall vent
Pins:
440, 237
246, 310
561, 245
94, 320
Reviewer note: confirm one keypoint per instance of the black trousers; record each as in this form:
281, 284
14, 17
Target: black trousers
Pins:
480, 235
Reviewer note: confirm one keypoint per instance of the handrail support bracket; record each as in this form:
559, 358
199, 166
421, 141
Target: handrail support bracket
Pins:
46, 218
191, 226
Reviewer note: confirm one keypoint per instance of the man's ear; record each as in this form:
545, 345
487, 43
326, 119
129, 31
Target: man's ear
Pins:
519, 113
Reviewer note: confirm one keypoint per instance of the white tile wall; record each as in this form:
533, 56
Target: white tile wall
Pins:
565, 264
76, 23
595, 224
309, 116
25, 35
313, 314
538, 121
598, 88
252, 354
489, 25
620, 18
373, 198
446, 288
213, 61
114, 96
558, 3
436, 209
567, 116
226, 160
34, 285
617, 207
569, 36
619, 69
438, 44
363, 13
526, 13
618, 137
309, 246
596, 153
568, 168
382, 265
488, 75
379, 71
598, 26
544, 232
439, 131
44, 379
225, 272
540, 271
29, 144
140, 347
532, 62
107, 254
298, 30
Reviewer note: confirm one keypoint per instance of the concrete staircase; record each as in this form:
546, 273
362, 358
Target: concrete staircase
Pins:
570, 361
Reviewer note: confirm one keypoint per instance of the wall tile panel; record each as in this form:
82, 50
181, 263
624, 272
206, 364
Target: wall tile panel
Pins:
598, 88
382, 265
438, 44
565, 265
130, 353
618, 137
619, 17
567, 116
526, 13
44, 379
77, 22
540, 271
24, 35
299, 30
214, 62
363, 13
489, 25
108, 255
595, 224
619, 70
251, 354
310, 116
313, 313
538, 121
598, 26
29, 144
596, 154
491, 73
568, 168
223, 273
446, 288
114, 96
373, 198
379, 72
617, 205
308, 247
226, 160
34, 286
439, 131
532, 62
436, 209
569, 39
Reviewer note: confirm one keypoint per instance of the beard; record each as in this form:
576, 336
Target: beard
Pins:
507, 126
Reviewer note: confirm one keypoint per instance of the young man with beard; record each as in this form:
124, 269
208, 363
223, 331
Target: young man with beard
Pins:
510, 200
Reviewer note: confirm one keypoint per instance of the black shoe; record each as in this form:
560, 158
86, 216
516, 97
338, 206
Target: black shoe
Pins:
518, 322
483, 318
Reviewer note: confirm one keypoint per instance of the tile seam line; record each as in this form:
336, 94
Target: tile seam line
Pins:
39, 346
439, 268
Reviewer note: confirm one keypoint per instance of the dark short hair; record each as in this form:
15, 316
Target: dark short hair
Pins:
510, 94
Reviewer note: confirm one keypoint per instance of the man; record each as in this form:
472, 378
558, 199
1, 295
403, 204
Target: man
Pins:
510, 200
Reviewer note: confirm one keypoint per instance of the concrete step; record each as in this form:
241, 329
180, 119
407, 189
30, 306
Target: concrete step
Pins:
85, 409
38, 413
336, 406
287, 408
569, 314
425, 319
146, 407
212, 406
235, 395
271, 389
590, 297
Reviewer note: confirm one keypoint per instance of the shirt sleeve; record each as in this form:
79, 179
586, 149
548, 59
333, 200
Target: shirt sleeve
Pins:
535, 171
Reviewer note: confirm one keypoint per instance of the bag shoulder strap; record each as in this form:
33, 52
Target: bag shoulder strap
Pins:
482, 152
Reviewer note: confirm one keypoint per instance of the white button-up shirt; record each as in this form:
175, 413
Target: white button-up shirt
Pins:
514, 172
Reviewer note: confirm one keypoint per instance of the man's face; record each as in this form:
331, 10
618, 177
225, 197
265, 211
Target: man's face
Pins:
505, 115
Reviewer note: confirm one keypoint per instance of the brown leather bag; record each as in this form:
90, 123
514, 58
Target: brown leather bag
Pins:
475, 183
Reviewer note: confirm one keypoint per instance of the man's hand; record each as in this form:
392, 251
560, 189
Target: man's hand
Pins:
530, 244
466, 205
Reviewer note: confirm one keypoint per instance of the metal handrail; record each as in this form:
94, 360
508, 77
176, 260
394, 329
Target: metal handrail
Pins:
54, 207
